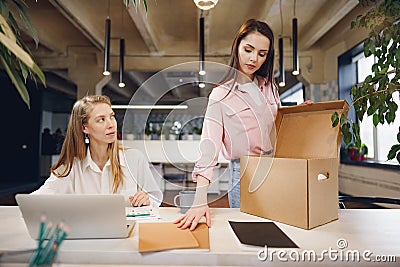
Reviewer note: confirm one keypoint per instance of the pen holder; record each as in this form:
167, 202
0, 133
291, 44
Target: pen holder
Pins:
49, 241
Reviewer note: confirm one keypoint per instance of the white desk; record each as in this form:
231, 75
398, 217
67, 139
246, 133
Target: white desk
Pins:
375, 230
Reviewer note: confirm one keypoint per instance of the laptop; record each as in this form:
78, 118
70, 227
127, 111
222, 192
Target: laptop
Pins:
87, 216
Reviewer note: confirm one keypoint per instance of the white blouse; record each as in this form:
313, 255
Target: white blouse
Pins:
87, 178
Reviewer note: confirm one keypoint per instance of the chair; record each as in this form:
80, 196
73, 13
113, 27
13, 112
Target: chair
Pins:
367, 200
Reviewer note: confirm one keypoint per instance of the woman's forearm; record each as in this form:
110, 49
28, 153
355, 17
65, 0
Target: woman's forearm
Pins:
200, 198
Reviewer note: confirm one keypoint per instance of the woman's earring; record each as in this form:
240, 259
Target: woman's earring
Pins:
87, 141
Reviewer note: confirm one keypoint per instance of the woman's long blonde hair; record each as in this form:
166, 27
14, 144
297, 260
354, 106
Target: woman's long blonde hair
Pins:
75, 147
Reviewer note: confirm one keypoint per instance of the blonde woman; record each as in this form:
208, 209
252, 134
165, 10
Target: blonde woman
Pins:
93, 162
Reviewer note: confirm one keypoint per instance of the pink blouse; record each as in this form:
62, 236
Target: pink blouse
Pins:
236, 124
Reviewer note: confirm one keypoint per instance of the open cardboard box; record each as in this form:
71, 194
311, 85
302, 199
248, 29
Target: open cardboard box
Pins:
298, 185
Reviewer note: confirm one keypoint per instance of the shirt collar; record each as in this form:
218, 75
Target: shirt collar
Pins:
122, 157
261, 82
88, 161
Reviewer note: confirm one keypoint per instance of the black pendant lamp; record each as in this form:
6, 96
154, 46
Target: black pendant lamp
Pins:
281, 64
201, 47
106, 71
296, 70
121, 62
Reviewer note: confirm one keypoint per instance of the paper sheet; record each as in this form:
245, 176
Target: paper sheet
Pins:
166, 235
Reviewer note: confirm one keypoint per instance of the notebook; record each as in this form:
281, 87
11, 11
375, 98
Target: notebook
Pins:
86, 216
259, 234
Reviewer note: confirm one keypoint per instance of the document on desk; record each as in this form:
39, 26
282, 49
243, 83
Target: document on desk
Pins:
260, 234
166, 235
144, 213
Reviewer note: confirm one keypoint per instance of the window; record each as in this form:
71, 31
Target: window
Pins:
378, 139
293, 96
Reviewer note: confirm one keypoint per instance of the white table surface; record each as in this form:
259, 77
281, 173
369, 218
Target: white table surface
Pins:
375, 230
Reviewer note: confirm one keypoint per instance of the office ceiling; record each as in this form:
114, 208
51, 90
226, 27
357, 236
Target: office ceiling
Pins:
167, 35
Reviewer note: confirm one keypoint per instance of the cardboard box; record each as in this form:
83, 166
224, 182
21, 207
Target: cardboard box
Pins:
298, 185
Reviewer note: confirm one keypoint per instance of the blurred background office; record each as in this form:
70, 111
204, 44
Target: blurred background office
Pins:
71, 53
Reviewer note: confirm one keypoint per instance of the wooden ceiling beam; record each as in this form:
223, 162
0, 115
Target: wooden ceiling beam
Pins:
65, 8
138, 15
331, 13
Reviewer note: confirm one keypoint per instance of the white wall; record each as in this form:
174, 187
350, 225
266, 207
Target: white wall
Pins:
367, 181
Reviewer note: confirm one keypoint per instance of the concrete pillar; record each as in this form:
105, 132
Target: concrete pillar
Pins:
86, 72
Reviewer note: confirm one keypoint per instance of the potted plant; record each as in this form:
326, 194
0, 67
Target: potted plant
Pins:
374, 96
15, 56
357, 153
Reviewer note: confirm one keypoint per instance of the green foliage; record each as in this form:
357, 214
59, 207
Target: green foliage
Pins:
136, 4
374, 95
15, 56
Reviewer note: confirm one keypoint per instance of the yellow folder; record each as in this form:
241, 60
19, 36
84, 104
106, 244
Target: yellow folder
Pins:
166, 235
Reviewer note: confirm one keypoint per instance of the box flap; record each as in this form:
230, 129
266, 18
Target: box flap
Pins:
306, 131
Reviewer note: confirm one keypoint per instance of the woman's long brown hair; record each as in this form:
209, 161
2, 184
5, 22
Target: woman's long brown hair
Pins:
75, 147
267, 68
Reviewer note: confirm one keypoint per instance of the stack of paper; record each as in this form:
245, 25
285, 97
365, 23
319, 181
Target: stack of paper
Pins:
166, 235
144, 213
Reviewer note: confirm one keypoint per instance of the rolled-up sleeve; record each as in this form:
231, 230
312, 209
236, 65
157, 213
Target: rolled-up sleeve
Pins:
211, 141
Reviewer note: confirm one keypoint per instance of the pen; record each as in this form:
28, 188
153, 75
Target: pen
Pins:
138, 215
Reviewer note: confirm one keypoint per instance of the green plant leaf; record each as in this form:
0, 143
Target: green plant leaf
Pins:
356, 134
35, 68
384, 70
371, 110
31, 30
7, 31
17, 50
343, 119
392, 152
335, 119
24, 71
4, 8
375, 119
16, 80
126, 2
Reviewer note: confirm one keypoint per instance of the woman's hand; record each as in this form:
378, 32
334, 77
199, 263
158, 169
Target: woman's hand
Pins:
193, 216
199, 208
307, 102
140, 199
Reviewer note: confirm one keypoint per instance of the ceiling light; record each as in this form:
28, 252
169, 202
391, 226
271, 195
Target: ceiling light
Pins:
296, 70
149, 106
205, 4
121, 62
281, 63
202, 85
201, 47
106, 71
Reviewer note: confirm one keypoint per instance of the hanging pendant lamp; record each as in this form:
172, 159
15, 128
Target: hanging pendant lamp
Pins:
121, 62
106, 71
281, 64
296, 70
201, 47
